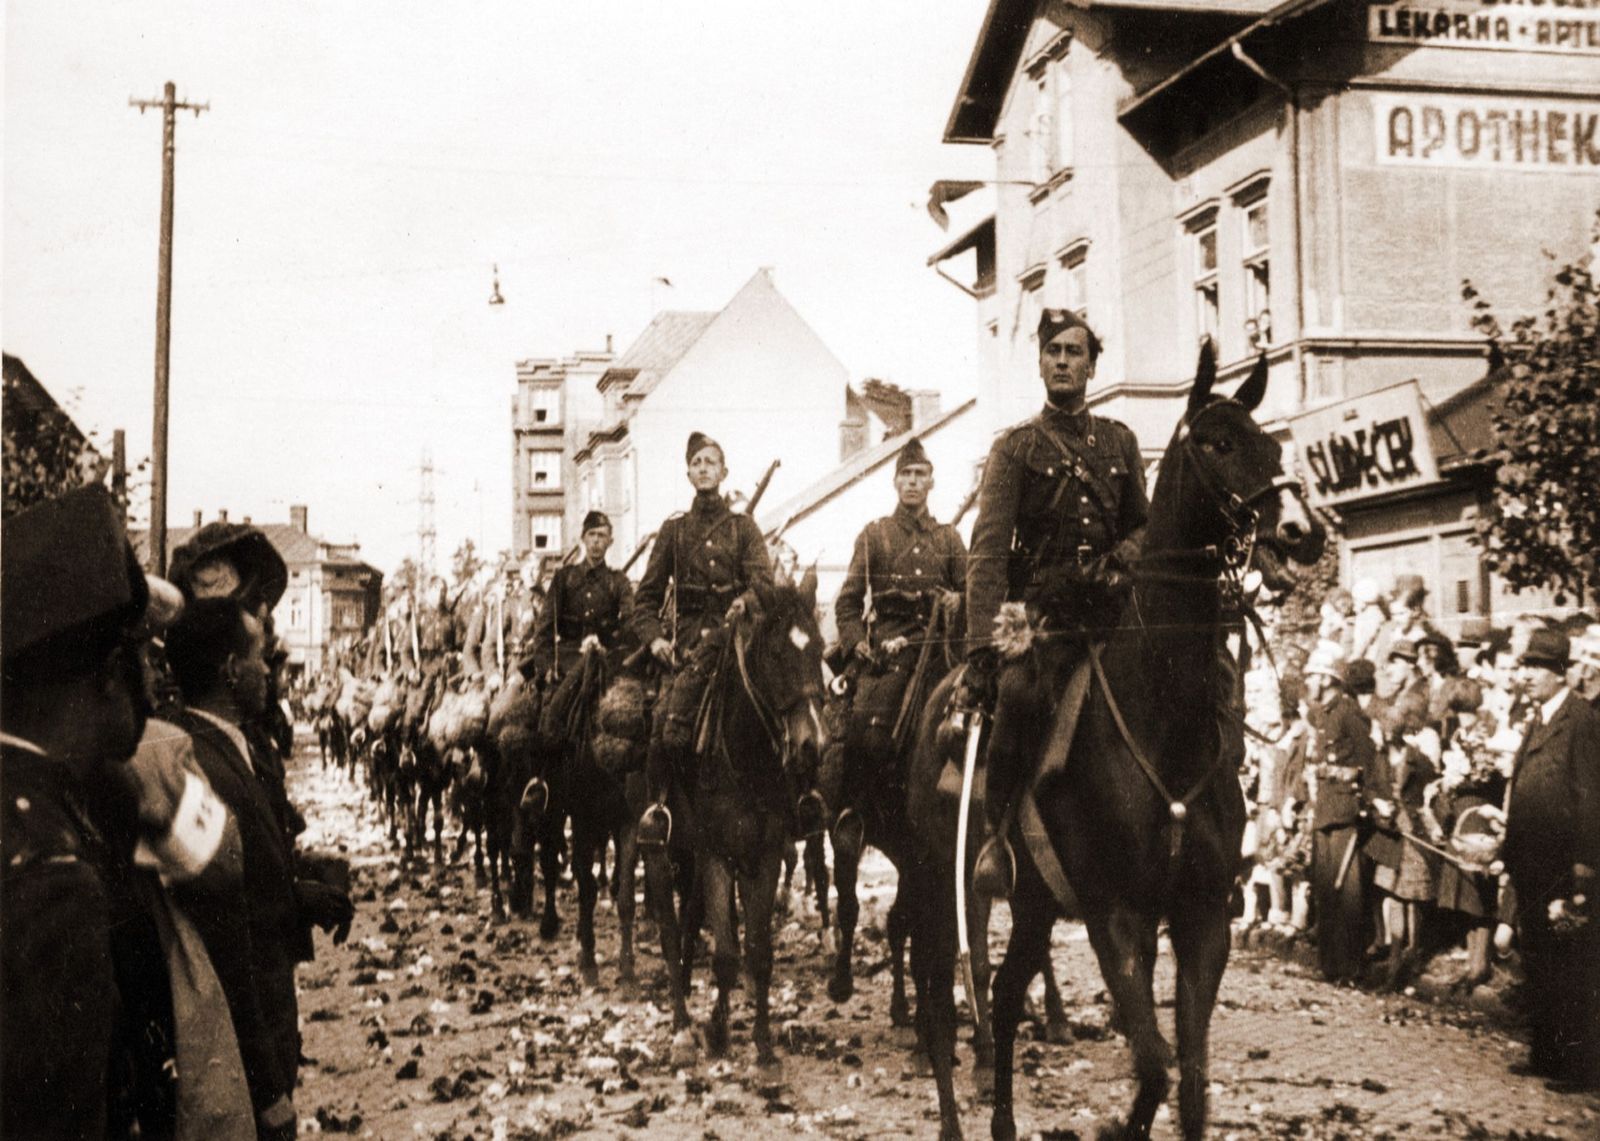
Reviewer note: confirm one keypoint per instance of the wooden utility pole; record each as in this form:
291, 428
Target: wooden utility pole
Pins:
170, 106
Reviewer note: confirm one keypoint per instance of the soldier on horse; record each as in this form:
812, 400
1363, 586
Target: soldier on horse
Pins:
1061, 513
703, 564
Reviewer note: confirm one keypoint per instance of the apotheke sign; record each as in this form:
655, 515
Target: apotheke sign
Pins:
1365, 446
1494, 132
1570, 27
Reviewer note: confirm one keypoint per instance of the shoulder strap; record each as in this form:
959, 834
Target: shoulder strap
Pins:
1082, 470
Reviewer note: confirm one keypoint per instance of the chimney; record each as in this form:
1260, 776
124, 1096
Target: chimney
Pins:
222, 516
924, 407
197, 519
247, 520
608, 343
297, 517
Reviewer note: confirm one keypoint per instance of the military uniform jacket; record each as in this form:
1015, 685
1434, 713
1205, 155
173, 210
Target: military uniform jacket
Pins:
583, 600
1554, 817
1054, 487
710, 555
1350, 769
903, 560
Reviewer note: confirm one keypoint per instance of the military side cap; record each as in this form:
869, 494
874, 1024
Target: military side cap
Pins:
230, 560
699, 442
1547, 648
1054, 322
71, 586
595, 519
912, 453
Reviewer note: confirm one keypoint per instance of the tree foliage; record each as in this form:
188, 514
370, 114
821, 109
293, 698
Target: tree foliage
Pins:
1542, 526
465, 563
45, 453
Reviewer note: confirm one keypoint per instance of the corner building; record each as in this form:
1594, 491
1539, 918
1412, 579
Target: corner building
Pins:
1315, 179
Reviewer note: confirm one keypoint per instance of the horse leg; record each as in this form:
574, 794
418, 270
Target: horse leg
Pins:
1027, 951
1124, 942
847, 843
1057, 1030
658, 891
791, 860
691, 890
978, 908
933, 969
623, 884
899, 930
757, 892
550, 871
724, 950
817, 877
1200, 942
583, 856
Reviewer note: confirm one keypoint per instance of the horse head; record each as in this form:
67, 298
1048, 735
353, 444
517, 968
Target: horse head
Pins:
783, 663
1233, 490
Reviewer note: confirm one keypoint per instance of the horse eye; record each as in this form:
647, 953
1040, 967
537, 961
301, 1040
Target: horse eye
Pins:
1221, 447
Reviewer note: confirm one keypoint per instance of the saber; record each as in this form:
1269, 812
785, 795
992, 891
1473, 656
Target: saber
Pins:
963, 814
1346, 860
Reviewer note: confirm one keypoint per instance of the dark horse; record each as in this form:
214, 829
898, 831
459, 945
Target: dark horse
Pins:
765, 735
1145, 814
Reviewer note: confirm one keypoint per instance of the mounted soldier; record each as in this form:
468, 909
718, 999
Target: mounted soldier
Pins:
905, 566
1061, 514
586, 600
703, 564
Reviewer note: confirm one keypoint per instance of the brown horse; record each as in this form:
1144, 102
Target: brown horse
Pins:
1145, 815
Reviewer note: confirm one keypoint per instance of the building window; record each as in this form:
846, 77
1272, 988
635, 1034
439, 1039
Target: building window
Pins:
544, 403
544, 470
294, 613
1031, 303
1075, 277
1203, 247
1257, 272
1050, 128
545, 529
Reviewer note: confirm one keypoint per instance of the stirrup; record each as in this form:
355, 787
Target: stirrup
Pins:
535, 796
849, 822
994, 876
648, 827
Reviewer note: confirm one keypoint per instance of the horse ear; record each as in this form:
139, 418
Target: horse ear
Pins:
1254, 386
1205, 375
808, 585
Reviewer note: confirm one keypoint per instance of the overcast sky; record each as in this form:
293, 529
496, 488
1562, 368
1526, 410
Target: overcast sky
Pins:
361, 167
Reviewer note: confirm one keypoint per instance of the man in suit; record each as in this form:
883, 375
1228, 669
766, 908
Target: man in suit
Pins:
1552, 850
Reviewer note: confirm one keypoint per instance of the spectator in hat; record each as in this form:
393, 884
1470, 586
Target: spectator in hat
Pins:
1348, 773
217, 654
86, 1004
1552, 851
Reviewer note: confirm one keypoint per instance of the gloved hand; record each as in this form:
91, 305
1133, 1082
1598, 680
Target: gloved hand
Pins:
1111, 573
979, 683
325, 906
864, 652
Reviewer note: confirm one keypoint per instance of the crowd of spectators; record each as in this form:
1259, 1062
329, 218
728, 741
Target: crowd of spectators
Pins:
156, 904
1414, 793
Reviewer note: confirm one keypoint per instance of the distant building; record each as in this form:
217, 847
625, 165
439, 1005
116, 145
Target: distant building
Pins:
1312, 179
332, 598
752, 375
555, 408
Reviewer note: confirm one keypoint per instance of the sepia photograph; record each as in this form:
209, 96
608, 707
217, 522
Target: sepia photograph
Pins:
711, 571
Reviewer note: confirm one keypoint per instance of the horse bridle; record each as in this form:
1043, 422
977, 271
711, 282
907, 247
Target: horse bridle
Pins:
772, 719
1240, 512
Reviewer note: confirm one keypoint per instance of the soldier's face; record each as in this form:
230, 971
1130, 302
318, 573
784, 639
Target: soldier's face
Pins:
596, 542
1066, 367
912, 483
706, 469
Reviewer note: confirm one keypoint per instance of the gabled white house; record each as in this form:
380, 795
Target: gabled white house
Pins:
754, 376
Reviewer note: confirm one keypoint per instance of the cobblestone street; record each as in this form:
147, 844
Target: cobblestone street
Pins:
433, 1021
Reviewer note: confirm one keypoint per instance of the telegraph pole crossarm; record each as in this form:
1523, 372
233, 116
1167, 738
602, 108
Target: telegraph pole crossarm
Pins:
170, 105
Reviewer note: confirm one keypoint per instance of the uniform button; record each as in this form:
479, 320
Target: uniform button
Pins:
708, 542
916, 550
23, 804
1083, 499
